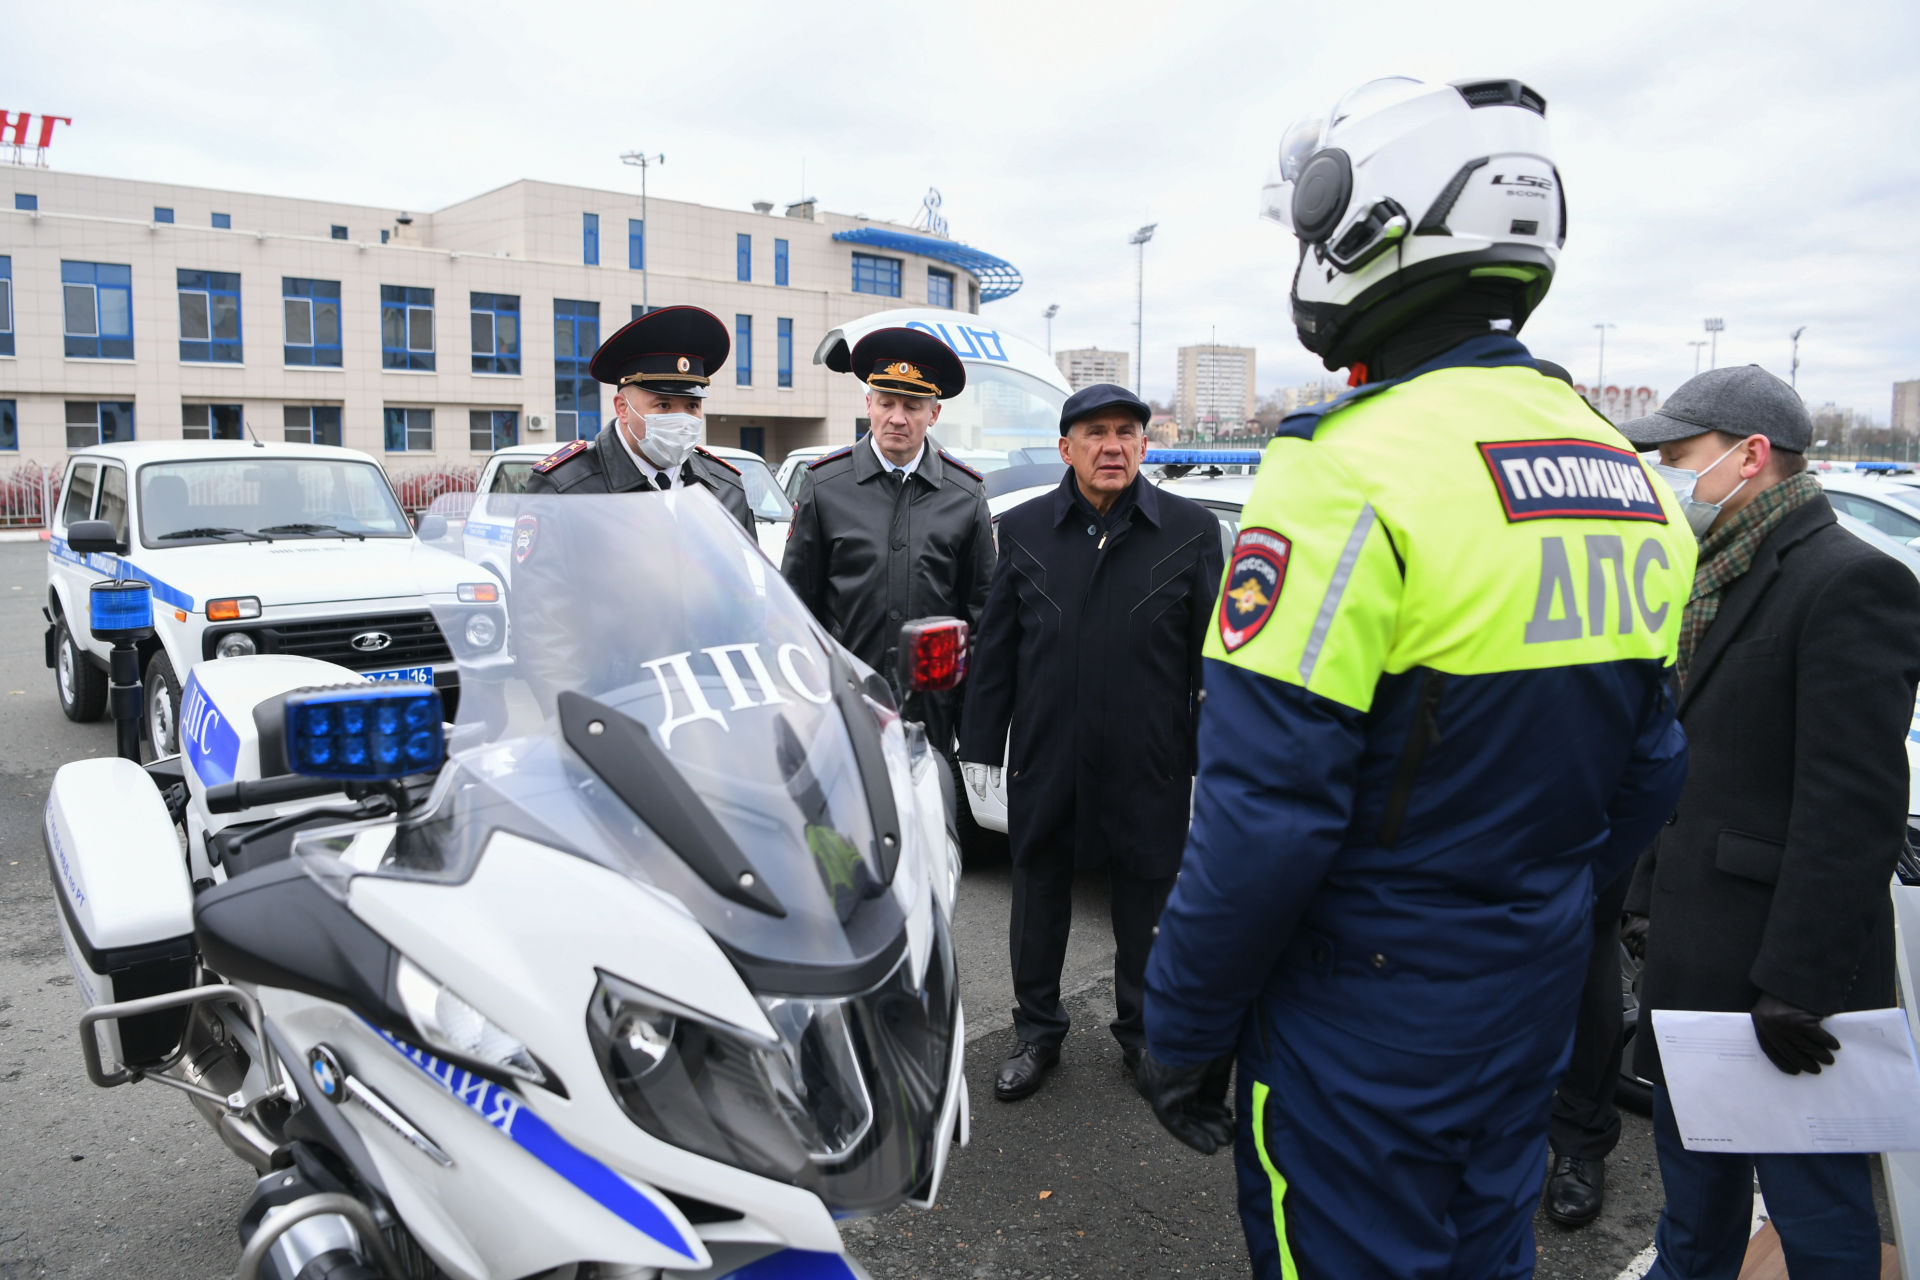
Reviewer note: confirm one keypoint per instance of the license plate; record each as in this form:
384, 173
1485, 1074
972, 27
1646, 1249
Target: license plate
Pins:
402, 675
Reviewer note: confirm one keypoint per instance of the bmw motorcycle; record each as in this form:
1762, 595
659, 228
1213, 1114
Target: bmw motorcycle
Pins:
642, 967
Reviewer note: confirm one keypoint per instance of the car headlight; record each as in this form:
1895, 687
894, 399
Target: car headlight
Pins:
446, 1022
235, 644
482, 631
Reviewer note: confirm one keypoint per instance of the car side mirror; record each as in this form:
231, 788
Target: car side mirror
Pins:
432, 527
933, 654
90, 537
1914, 543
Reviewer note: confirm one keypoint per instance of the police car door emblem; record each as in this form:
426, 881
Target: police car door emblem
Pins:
1254, 577
525, 531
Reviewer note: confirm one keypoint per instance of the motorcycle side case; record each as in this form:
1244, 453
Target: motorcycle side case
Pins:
126, 905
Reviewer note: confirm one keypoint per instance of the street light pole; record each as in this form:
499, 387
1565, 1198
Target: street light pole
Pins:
1696, 345
1600, 377
643, 162
1793, 375
1715, 327
1140, 239
1053, 309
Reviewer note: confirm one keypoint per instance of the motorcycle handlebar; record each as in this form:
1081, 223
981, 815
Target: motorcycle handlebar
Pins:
233, 797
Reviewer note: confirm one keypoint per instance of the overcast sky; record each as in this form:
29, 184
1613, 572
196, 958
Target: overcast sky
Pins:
1754, 161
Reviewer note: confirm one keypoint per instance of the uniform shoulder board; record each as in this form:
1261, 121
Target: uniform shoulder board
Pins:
817, 463
955, 462
714, 457
560, 455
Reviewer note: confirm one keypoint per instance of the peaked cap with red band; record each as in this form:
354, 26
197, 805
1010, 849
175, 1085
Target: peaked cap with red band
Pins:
908, 362
672, 350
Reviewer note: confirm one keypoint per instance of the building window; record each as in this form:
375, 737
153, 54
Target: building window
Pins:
312, 424
6, 305
874, 274
406, 327
783, 353
743, 351
939, 288
409, 430
211, 422
312, 313
495, 318
24, 202
223, 221
780, 262
91, 422
576, 396
9, 426
490, 429
636, 245
639, 310
590, 239
162, 214
98, 298
338, 233
209, 316
743, 258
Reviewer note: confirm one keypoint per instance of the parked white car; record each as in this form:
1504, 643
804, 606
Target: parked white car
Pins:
253, 548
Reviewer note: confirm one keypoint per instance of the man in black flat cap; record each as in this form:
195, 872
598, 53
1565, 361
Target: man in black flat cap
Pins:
659, 365
1089, 650
891, 528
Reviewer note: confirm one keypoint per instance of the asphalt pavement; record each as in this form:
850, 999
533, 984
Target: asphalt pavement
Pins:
1076, 1181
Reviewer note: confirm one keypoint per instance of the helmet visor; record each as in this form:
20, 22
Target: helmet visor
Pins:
1297, 145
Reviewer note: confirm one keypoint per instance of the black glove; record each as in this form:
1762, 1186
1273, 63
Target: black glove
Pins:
1633, 935
1792, 1038
1190, 1102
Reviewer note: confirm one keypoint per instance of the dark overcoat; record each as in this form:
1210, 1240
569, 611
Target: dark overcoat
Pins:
1772, 874
1089, 652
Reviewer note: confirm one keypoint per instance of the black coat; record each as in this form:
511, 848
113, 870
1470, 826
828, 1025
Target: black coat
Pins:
866, 554
606, 467
1772, 874
1091, 654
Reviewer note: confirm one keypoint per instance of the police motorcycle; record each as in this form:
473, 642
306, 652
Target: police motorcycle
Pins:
641, 968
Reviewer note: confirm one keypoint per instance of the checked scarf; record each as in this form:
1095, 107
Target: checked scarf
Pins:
1728, 552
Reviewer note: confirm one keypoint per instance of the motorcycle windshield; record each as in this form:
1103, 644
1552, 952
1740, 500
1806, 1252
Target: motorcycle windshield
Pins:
651, 695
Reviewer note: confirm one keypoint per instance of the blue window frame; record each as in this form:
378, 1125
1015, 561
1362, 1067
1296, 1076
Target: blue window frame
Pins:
636, 245
212, 422
9, 426
311, 309
939, 288
590, 239
406, 327
223, 221
24, 202
780, 262
496, 332
6, 305
874, 274
783, 352
91, 422
337, 232
409, 430
576, 396
98, 300
640, 309
209, 316
743, 351
743, 257
490, 429
312, 423
162, 214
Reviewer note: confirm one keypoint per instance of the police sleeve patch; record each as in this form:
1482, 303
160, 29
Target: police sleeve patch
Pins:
559, 456
1570, 480
526, 531
1255, 574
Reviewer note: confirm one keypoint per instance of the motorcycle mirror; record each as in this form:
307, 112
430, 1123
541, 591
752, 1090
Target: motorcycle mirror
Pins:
89, 537
364, 732
933, 654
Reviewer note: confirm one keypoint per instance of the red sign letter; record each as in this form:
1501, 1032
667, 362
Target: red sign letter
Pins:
46, 127
19, 127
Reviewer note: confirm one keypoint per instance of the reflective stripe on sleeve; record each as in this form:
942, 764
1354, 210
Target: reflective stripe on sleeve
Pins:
1336, 588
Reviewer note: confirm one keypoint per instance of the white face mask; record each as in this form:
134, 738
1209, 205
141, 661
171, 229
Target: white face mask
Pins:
670, 438
1700, 515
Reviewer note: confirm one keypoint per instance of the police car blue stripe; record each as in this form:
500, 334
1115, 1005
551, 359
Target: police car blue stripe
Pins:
489, 531
509, 1113
120, 567
795, 1264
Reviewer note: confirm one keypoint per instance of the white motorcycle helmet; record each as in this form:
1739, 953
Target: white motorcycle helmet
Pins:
1403, 194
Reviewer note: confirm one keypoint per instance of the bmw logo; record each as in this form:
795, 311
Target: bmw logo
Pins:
329, 1076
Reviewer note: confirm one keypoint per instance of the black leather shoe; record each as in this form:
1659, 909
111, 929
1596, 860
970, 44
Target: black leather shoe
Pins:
1021, 1074
1130, 1058
1576, 1189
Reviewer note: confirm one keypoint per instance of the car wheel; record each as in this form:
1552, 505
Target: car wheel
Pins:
1631, 1091
81, 685
161, 706
978, 845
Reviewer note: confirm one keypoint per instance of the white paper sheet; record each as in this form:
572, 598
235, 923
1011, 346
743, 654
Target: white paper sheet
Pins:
1728, 1097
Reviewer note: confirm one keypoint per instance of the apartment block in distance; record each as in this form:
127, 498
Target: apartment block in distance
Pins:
1213, 390
1085, 366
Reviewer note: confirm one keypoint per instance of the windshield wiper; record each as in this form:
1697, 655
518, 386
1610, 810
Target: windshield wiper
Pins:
312, 529
212, 531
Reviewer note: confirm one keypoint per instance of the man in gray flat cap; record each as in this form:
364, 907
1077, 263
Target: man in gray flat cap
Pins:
1766, 892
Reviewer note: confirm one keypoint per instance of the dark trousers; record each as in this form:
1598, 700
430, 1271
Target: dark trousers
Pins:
1822, 1206
1585, 1122
1037, 937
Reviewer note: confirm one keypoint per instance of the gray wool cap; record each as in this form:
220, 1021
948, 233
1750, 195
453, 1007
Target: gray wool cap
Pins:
1740, 400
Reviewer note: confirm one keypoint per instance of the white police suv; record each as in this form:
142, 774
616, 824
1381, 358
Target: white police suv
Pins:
254, 548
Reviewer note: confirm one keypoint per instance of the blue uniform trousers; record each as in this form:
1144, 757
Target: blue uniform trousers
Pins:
1386, 1162
1822, 1206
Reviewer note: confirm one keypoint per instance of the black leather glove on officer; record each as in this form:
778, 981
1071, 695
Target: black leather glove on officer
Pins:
1633, 935
1190, 1102
1792, 1038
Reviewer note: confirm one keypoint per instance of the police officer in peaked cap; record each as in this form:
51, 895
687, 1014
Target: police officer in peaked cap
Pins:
660, 365
892, 528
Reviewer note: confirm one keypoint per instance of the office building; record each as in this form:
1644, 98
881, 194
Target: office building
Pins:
1085, 366
1906, 408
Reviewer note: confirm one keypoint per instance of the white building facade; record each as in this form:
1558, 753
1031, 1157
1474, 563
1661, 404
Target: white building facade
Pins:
1087, 366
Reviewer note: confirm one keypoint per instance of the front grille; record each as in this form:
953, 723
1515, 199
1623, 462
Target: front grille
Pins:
416, 640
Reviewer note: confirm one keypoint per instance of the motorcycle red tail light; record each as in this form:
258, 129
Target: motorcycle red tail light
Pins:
933, 654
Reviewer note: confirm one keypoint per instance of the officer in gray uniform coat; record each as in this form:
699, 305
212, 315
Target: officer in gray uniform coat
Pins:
660, 364
891, 528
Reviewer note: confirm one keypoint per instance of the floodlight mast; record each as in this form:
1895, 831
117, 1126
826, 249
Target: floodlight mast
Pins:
1715, 326
1053, 309
1140, 239
1793, 374
643, 161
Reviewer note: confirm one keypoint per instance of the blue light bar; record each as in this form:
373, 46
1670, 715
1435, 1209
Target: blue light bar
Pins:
120, 610
1202, 457
364, 732
1883, 466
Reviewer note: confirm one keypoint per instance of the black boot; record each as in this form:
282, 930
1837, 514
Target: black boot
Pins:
1021, 1074
1576, 1189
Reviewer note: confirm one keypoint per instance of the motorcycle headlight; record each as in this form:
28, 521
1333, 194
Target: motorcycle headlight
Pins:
446, 1022
235, 644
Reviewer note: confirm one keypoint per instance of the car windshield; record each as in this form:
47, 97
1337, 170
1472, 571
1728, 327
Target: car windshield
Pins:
1000, 409
233, 499
763, 492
